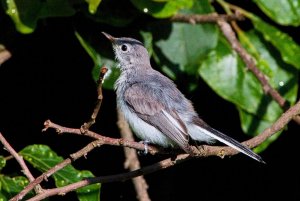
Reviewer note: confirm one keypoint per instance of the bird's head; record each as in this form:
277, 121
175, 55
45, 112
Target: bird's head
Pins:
129, 52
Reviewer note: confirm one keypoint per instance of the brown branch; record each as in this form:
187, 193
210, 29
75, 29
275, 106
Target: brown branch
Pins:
250, 63
205, 18
92, 120
113, 178
4, 54
230, 36
19, 159
132, 162
106, 140
54, 169
204, 151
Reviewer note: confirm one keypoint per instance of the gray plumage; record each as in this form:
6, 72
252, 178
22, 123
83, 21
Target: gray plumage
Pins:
153, 106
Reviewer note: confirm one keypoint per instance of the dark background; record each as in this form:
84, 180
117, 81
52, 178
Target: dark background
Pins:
49, 77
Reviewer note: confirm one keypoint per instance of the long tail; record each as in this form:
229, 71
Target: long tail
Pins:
229, 141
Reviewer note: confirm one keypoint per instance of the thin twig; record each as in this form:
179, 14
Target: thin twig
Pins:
249, 61
20, 160
132, 161
4, 54
205, 18
106, 140
82, 152
92, 120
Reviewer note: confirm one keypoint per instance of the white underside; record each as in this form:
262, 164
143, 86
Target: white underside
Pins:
147, 132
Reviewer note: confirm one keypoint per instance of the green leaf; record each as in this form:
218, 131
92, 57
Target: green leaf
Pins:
25, 14
284, 12
93, 5
2, 162
111, 76
43, 158
162, 9
252, 125
3, 197
200, 7
187, 45
11, 186
91, 192
148, 41
182, 47
13, 12
287, 47
282, 76
99, 61
226, 74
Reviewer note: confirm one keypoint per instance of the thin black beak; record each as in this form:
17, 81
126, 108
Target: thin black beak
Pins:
109, 37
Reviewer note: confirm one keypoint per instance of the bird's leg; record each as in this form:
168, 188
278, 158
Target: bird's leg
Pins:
145, 152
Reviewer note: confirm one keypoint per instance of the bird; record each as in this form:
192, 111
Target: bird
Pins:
153, 106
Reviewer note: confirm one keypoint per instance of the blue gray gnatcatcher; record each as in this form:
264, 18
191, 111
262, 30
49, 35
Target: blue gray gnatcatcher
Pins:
153, 106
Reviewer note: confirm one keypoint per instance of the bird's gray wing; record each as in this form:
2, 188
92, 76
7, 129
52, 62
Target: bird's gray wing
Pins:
147, 103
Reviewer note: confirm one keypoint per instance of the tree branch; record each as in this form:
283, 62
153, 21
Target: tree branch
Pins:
132, 162
205, 18
106, 140
4, 54
19, 159
92, 120
59, 166
113, 178
249, 61
203, 151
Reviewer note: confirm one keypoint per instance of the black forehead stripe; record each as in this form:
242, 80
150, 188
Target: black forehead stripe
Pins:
130, 41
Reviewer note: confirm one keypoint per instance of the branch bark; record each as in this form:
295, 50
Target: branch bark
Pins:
4, 54
113, 178
249, 61
132, 161
86, 126
20, 160
205, 18
61, 165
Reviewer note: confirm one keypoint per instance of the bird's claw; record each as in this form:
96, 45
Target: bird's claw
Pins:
145, 151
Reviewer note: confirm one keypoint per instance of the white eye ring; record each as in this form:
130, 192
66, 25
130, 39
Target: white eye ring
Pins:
124, 48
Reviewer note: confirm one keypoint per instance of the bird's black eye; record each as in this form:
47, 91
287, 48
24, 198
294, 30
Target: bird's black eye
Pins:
124, 48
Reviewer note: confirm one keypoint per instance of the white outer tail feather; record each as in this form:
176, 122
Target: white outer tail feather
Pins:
249, 152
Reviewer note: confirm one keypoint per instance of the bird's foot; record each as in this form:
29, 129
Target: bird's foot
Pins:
145, 151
